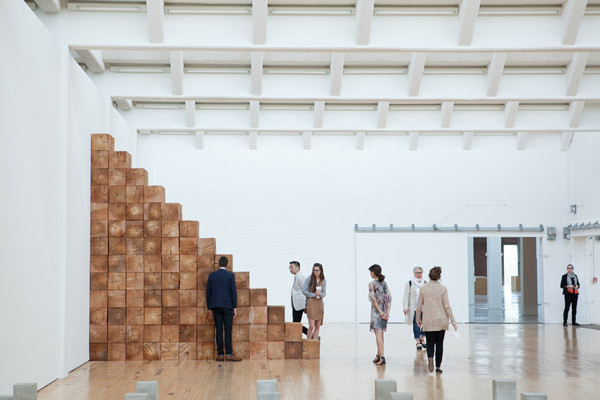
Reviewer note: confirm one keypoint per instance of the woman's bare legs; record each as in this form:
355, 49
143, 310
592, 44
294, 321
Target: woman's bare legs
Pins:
318, 324
311, 329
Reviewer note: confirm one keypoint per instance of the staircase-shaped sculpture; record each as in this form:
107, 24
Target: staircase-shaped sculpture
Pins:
148, 273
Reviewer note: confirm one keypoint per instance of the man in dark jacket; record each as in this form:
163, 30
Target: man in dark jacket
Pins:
570, 286
221, 300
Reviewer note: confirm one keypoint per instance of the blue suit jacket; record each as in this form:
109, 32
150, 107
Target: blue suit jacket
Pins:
220, 290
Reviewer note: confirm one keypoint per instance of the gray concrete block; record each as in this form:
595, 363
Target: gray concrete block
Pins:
504, 389
149, 387
6, 397
136, 396
25, 391
268, 396
401, 396
383, 388
266, 386
533, 396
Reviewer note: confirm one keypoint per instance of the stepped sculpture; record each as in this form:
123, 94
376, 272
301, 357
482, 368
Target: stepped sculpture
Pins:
148, 273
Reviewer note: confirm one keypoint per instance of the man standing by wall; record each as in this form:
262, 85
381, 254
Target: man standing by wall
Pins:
298, 298
570, 286
221, 300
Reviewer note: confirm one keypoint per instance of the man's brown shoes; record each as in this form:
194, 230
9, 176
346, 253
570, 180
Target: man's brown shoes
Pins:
219, 358
232, 358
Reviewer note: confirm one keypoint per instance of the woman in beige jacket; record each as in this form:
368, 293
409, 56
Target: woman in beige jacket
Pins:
434, 304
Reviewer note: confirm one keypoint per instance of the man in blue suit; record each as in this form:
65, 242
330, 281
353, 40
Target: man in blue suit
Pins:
221, 301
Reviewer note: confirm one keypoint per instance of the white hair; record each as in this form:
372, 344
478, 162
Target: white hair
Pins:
417, 268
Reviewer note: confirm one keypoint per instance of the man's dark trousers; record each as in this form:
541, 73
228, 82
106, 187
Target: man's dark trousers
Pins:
223, 316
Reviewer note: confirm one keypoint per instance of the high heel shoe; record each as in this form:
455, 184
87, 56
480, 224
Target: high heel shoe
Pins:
376, 359
381, 361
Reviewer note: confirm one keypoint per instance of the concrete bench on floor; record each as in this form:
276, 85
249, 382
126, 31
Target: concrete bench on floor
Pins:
144, 390
267, 390
22, 391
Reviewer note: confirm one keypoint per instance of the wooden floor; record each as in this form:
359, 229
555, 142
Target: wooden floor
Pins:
546, 359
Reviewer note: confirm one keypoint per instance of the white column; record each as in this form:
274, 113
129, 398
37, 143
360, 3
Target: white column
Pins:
447, 109
494, 73
572, 16
190, 113
467, 15
360, 140
494, 277
319, 112
364, 20
336, 70
256, 69
575, 72
259, 18
382, 113
155, 9
415, 73
177, 72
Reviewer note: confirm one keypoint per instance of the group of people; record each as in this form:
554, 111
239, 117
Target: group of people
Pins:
307, 297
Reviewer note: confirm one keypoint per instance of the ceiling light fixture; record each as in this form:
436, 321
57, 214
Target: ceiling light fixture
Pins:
591, 70
414, 107
375, 71
592, 9
455, 71
296, 71
519, 11
478, 107
397, 11
217, 70
106, 7
140, 69
222, 106
288, 107
207, 10
351, 107
534, 70
544, 106
312, 11
160, 106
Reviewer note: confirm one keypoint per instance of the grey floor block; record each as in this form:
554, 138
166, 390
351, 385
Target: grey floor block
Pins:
266, 386
533, 396
149, 387
401, 396
25, 391
504, 389
6, 397
268, 396
136, 396
383, 388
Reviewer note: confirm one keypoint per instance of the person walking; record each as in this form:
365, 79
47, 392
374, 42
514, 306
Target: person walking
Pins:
298, 298
315, 289
570, 286
381, 305
411, 295
433, 312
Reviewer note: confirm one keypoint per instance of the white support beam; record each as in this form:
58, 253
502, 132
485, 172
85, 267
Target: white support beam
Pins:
360, 140
566, 138
447, 109
253, 140
49, 5
575, 110
155, 10
306, 140
468, 140
521, 139
190, 113
575, 72
572, 16
415, 73
254, 109
256, 68
336, 70
199, 140
319, 112
494, 73
414, 140
124, 104
383, 107
259, 20
467, 15
92, 60
364, 21
177, 72
510, 113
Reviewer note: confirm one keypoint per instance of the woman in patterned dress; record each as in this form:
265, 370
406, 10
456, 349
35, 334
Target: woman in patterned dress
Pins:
381, 304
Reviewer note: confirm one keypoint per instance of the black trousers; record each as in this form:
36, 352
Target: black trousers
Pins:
223, 317
435, 343
297, 317
570, 300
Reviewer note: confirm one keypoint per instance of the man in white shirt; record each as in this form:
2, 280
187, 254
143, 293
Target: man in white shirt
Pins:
298, 298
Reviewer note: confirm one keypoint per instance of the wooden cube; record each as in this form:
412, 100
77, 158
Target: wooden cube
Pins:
201, 302
152, 211
187, 351
170, 316
171, 211
98, 316
293, 350
116, 316
117, 211
276, 314
188, 263
152, 263
135, 246
117, 264
188, 298
258, 315
135, 211
204, 317
169, 351
98, 351
170, 228
276, 350
258, 297
152, 315
152, 246
99, 228
116, 298
117, 228
207, 246
170, 263
135, 316
137, 177
135, 297
99, 246
243, 316
152, 228
98, 211
98, 333
154, 194
188, 315
187, 333
170, 333
134, 351
293, 332
189, 229
229, 261
153, 280
134, 280
98, 281
170, 298
117, 177
258, 350
98, 263
103, 141
206, 333
170, 280
151, 351
188, 246
188, 280
134, 263
99, 159
241, 350
205, 351
134, 334
119, 159
116, 351
243, 297
152, 298
117, 194
116, 333
117, 281
153, 333
258, 333
242, 280
99, 194
135, 229
99, 177
170, 246
206, 263
98, 298
202, 280
134, 194
311, 349
276, 333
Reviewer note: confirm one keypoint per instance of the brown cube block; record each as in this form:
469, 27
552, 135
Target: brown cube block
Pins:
170, 280
276, 333
116, 281
134, 298
188, 315
100, 176
135, 316
258, 333
239, 333
229, 261
258, 297
98, 211
170, 228
152, 228
117, 194
152, 315
98, 351
170, 263
99, 159
98, 263
134, 263
202, 280
242, 280
117, 211
134, 194
206, 333
188, 298
99, 246
135, 280
187, 351
189, 229
171, 211
188, 280
103, 141
98, 316
134, 351
206, 263
169, 351
135, 229
241, 350
152, 280
205, 319
152, 298
188, 263
98, 333
135, 246
201, 302
152, 334
293, 350
134, 334
311, 349
151, 351
258, 315
99, 194
276, 350
243, 297
99, 228
187, 333
117, 264
116, 298
135, 211
152, 263
205, 351
119, 159
137, 177
170, 316
258, 350
293, 332
276, 314
116, 333
243, 316
152, 211
207, 246
98, 281
152, 246
117, 228
188, 246
154, 194
170, 333
117, 176
98, 298
170, 298
116, 316
170, 246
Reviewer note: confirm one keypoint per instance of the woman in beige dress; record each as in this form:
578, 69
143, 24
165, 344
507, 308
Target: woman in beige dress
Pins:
434, 305
314, 290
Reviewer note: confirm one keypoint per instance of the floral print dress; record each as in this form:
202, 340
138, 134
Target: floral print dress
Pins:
382, 295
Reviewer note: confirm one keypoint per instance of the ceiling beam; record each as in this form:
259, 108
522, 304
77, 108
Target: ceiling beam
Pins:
253, 140
124, 104
360, 140
572, 16
468, 140
155, 10
383, 108
49, 5
467, 15
510, 113
494, 73
413, 140
256, 69
319, 113
575, 111
521, 140
447, 109
92, 60
254, 110
364, 21
566, 138
306, 140
190, 113
415, 73
199, 140
177, 72
336, 70
442, 132
575, 72
259, 21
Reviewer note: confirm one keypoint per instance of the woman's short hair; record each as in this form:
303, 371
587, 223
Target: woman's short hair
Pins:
417, 268
435, 273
